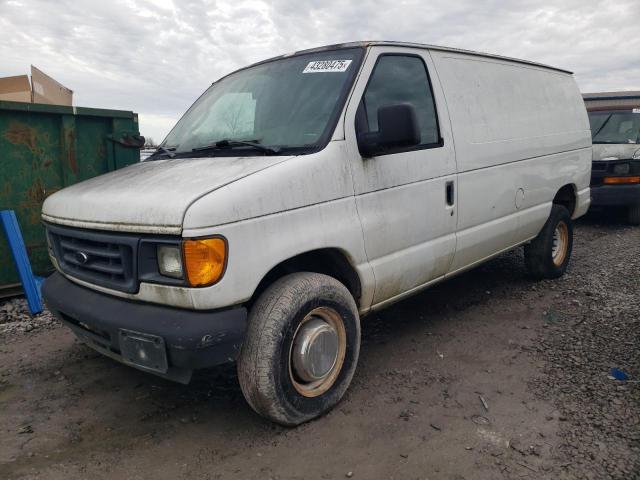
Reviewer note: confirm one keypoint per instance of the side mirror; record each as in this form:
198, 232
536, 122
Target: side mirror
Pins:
397, 128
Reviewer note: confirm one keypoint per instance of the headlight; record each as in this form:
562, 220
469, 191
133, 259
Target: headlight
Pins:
204, 260
169, 261
636, 155
193, 262
621, 169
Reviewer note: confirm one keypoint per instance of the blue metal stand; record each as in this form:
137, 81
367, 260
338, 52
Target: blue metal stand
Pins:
30, 282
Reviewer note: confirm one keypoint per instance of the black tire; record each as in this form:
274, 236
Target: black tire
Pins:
539, 253
633, 214
264, 370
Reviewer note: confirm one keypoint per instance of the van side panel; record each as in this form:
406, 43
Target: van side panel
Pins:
521, 132
504, 112
509, 226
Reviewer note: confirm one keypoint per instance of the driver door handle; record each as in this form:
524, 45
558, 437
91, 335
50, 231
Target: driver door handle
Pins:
450, 193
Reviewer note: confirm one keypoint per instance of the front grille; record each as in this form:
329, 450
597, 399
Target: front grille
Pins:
103, 259
606, 168
598, 172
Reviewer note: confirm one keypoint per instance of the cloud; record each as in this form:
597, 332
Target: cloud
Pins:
156, 56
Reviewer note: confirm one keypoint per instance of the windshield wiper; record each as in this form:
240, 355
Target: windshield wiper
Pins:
222, 144
167, 151
602, 126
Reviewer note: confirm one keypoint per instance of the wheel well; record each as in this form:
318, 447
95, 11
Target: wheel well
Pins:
566, 197
329, 261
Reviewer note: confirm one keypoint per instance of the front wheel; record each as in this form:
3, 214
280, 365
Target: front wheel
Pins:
301, 348
547, 256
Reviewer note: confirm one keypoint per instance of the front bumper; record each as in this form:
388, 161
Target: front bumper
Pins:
615, 195
189, 339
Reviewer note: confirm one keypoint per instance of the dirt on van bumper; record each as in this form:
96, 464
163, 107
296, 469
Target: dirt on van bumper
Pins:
489, 375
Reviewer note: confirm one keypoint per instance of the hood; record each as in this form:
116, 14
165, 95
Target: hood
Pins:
615, 151
148, 197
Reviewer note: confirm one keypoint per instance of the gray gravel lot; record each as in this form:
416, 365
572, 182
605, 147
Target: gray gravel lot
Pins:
489, 375
15, 318
592, 326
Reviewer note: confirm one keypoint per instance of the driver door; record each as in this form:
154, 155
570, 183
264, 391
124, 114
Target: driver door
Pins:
406, 198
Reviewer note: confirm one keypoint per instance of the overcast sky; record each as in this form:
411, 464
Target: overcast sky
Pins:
156, 56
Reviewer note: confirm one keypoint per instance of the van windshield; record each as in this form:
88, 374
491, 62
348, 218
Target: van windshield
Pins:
290, 105
615, 126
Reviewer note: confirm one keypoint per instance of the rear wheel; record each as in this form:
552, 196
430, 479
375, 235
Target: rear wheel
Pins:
547, 256
301, 348
633, 214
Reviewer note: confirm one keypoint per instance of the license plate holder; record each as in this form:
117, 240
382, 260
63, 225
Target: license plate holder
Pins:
143, 350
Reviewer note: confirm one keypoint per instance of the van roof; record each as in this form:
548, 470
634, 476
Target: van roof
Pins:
412, 45
627, 94
624, 100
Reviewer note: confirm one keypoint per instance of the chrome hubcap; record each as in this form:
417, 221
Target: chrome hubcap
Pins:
560, 243
317, 352
556, 242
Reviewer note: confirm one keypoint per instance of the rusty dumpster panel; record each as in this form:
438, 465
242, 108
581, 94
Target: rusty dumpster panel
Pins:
44, 148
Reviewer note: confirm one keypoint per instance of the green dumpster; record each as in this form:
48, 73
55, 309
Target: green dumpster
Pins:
44, 148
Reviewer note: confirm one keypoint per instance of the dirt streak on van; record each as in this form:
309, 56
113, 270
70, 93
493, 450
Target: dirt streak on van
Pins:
303, 192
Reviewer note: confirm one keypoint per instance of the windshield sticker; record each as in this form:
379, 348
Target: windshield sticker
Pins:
635, 110
323, 66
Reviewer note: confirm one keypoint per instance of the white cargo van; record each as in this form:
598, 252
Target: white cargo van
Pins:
300, 193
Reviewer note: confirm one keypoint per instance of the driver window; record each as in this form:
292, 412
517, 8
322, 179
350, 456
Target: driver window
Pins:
399, 79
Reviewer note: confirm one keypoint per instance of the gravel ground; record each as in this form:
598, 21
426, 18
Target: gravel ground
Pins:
592, 326
489, 375
15, 318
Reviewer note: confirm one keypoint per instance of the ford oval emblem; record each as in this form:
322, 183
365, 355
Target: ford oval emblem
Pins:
82, 257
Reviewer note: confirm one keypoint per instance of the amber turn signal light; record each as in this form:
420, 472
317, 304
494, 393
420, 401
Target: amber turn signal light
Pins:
204, 260
619, 180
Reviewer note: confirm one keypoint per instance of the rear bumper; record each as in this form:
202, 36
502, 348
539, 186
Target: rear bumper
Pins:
615, 195
193, 338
